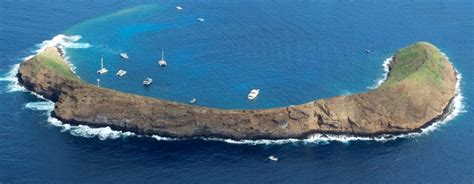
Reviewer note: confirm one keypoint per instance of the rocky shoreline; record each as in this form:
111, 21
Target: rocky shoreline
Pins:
418, 91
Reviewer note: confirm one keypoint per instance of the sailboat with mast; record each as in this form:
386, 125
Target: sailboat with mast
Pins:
162, 62
102, 70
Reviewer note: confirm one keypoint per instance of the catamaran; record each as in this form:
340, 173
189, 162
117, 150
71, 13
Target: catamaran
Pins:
147, 81
102, 70
121, 73
162, 62
124, 55
253, 94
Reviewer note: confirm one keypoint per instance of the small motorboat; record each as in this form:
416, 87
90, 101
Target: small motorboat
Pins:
162, 62
193, 101
102, 70
121, 73
147, 81
200, 19
253, 94
273, 158
124, 55
367, 51
179, 8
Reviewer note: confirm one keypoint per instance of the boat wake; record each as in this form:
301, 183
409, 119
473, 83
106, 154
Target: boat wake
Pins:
456, 108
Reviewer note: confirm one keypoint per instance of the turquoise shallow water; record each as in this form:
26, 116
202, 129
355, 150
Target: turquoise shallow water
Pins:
293, 57
294, 51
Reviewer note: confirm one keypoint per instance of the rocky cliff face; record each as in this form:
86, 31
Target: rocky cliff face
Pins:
419, 88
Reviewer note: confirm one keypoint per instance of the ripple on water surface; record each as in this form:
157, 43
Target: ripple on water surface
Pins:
220, 60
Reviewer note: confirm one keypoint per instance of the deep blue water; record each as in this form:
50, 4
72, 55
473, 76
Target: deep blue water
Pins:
294, 51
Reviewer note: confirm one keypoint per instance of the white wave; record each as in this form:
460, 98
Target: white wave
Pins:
11, 75
71, 66
40, 106
386, 69
61, 41
160, 138
102, 133
457, 108
259, 141
13, 85
312, 139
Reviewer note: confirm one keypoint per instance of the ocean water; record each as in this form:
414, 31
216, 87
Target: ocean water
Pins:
294, 51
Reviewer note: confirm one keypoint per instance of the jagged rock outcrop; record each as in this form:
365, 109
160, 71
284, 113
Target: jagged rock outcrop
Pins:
418, 90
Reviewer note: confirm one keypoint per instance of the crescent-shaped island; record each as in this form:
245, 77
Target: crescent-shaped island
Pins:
418, 91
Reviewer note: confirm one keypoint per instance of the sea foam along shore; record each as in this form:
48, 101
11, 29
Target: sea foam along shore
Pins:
386, 69
63, 42
103, 133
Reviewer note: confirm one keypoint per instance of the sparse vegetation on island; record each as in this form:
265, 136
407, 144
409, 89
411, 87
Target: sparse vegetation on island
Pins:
418, 63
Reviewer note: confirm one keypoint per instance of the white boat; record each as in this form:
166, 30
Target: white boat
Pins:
273, 158
179, 8
253, 94
147, 81
124, 55
367, 51
121, 73
193, 101
200, 19
102, 70
162, 62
